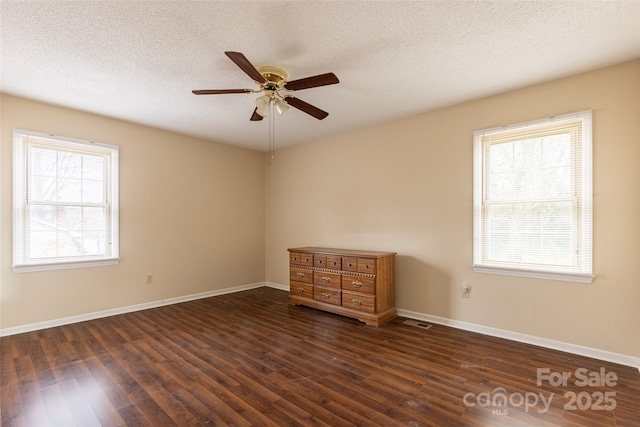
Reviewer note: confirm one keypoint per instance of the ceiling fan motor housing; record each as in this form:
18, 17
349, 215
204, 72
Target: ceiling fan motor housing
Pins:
276, 77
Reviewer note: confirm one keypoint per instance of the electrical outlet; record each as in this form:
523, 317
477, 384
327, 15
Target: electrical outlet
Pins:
149, 278
466, 290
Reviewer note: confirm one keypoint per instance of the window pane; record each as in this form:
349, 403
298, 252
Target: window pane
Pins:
44, 162
67, 231
66, 177
93, 219
69, 218
44, 172
93, 191
94, 231
43, 217
93, 167
532, 233
43, 225
69, 190
43, 244
93, 243
557, 150
44, 188
69, 165
530, 169
67, 244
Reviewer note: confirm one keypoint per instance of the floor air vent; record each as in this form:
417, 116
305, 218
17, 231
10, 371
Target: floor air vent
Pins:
419, 324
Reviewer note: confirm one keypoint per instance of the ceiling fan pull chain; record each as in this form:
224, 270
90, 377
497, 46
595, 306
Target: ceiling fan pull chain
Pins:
272, 131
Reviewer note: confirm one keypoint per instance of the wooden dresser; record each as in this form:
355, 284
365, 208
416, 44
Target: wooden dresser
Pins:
359, 284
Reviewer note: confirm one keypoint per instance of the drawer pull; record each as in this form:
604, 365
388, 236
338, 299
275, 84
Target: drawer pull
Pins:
300, 274
326, 279
356, 284
300, 290
356, 301
326, 296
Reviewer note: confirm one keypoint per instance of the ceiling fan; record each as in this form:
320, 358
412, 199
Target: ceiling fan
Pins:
272, 82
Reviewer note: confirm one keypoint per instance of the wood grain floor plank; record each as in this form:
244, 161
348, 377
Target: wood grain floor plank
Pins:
181, 377
202, 413
78, 405
307, 409
333, 407
56, 407
12, 412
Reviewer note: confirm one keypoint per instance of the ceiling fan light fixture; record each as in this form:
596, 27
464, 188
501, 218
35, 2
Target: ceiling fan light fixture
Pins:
262, 105
281, 106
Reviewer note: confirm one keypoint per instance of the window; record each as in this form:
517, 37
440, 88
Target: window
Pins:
533, 199
65, 203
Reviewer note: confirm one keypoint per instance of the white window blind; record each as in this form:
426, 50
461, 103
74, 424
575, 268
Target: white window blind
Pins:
533, 199
65, 202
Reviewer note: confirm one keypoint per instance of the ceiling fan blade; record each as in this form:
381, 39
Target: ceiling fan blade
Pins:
220, 91
306, 107
314, 81
255, 117
246, 66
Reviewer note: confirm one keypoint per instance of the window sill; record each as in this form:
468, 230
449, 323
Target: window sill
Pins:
537, 274
28, 268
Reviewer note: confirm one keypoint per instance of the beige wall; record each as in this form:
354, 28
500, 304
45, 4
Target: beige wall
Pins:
406, 186
192, 214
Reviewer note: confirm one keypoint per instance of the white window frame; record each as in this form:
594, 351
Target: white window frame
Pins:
21, 259
582, 222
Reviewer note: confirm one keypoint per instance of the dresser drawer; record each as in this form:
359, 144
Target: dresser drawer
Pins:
330, 280
306, 259
294, 258
350, 263
301, 275
328, 295
301, 290
365, 285
359, 301
366, 265
320, 261
334, 262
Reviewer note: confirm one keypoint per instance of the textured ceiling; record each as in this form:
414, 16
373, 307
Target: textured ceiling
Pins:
139, 61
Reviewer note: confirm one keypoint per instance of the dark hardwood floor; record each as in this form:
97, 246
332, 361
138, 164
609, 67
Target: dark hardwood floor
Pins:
250, 359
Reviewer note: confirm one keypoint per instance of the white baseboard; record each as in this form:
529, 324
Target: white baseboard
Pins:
277, 286
128, 309
594, 353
